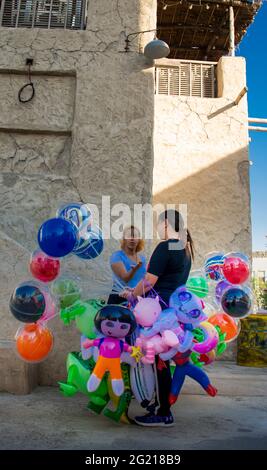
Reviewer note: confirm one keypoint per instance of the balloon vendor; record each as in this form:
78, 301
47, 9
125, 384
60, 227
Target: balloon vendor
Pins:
168, 268
166, 318
115, 322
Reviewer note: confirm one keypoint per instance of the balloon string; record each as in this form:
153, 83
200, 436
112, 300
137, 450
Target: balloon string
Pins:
143, 288
155, 292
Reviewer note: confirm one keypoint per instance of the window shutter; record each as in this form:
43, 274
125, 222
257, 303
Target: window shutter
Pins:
186, 79
43, 13
196, 89
163, 79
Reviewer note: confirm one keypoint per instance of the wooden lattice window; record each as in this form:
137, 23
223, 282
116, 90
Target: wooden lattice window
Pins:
187, 79
65, 14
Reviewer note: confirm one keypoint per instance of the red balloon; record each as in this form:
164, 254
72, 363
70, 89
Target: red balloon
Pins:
43, 267
235, 270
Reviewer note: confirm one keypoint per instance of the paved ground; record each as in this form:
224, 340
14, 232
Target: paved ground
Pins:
235, 419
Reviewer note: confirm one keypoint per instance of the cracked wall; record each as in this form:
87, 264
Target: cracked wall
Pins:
204, 163
87, 133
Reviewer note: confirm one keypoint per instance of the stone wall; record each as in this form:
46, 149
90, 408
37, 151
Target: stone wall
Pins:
89, 126
202, 161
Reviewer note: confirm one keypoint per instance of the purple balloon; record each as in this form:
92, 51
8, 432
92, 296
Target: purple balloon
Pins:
220, 288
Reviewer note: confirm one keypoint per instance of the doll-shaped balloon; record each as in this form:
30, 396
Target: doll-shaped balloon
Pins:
189, 311
147, 312
114, 322
190, 315
167, 320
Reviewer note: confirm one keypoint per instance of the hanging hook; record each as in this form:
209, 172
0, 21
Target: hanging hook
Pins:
29, 62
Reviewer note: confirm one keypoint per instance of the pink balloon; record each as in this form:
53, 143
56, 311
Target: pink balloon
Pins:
50, 307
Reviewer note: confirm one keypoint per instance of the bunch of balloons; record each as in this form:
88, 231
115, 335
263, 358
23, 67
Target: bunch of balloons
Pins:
221, 283
37, 300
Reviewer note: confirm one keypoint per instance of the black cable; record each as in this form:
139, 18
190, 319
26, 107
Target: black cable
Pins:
29, 84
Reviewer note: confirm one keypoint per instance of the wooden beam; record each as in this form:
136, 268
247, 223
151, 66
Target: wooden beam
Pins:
21, 130
45, 73
241, 94
224, 3
195, 49
196, 27
232, 31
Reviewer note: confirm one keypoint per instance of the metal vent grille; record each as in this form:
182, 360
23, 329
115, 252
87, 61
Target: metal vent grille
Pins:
65, 14
187, 79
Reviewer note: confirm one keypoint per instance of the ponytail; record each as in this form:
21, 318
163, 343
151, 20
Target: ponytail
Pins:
190, 245
176, 221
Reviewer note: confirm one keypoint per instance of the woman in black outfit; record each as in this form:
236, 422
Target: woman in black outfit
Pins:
167, 270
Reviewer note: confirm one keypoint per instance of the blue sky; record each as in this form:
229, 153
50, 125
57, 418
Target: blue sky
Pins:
254, 49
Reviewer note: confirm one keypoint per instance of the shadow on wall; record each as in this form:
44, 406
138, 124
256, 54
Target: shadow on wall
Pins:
218, 205
218, 200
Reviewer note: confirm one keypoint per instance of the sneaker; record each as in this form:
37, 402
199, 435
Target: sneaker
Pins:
151, 420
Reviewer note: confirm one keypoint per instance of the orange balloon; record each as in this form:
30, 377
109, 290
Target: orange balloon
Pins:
34, 342
227, 325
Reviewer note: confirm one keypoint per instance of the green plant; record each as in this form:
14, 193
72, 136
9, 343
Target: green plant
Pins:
260, 292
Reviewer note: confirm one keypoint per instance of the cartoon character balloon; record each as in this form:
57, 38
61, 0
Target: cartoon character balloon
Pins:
147, 312
115, 323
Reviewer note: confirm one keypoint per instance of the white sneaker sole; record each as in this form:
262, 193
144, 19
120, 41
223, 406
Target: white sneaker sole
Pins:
154, 425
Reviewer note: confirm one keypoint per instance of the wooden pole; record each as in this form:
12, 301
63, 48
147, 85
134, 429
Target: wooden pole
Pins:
240, 96
232, 31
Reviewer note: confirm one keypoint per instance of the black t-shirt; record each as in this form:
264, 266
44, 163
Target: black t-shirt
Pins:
172, 266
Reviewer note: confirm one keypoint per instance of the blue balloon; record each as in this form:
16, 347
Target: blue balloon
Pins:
92, 246
57, 237
77, 213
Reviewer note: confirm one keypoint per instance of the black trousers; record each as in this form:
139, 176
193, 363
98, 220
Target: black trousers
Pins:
164, 378
164, 381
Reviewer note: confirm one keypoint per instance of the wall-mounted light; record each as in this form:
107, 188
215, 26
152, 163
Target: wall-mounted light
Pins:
155, 49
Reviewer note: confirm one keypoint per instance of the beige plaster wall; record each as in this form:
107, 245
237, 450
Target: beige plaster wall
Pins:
88, 128
203, 162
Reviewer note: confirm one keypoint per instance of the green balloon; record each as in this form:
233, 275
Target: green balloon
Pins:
79, 371
198, 286
85, 322
84, 314
67, 291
